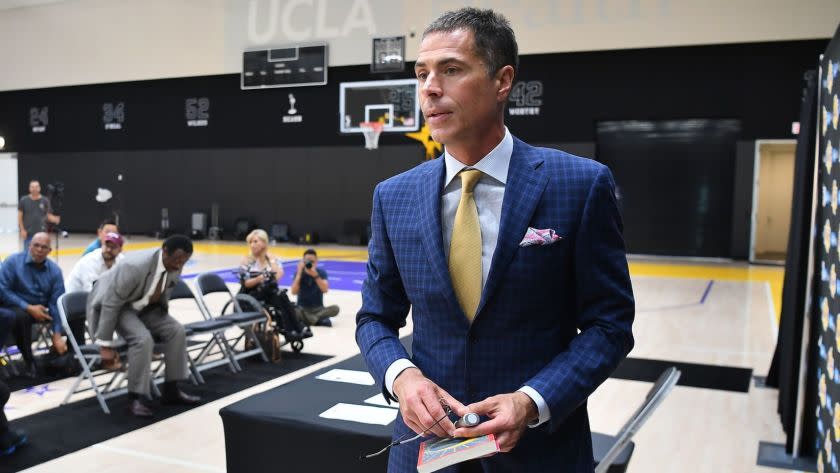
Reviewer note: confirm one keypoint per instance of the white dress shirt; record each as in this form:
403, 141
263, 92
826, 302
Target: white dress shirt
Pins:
160, 272
489, 193
88, 270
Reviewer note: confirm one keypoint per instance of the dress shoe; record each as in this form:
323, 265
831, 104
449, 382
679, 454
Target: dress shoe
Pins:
29, 372
325, 322
138, 409
180, 397
10, 441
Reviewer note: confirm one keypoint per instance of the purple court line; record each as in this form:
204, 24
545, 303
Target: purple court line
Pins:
707, 291
683, 306
343, 275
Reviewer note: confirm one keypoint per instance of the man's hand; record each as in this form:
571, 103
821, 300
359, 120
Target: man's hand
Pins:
310, 270
59, 344
38, 312
23, 234
420, 403
509, 417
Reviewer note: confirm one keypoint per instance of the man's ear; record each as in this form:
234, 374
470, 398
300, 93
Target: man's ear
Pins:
504, 78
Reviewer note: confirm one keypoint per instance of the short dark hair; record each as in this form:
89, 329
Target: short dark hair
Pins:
107, 221
492, 34
178, 242
310, 251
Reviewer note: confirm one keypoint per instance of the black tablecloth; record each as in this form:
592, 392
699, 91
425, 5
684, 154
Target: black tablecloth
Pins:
280, 430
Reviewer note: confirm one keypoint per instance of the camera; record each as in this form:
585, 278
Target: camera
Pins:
308, 264
55, 192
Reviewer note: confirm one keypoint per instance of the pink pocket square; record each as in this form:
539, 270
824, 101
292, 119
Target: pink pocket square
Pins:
536, 236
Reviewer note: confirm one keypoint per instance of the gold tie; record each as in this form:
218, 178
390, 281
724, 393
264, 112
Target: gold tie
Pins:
465, 248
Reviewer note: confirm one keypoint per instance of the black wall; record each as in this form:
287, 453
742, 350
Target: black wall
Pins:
246, 149
311, 189
675, 183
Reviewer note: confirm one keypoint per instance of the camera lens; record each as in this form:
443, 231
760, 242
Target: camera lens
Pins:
308, 265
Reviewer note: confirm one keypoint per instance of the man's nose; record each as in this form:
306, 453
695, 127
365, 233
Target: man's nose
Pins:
431, 86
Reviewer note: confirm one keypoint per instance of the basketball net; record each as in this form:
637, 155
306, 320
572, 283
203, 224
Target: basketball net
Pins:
371, 131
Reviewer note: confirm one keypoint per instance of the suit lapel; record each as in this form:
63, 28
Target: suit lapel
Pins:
429, 190
150, 273
523, 191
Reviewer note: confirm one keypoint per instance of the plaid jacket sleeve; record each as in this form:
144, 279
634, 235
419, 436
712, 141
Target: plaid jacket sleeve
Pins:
385, 304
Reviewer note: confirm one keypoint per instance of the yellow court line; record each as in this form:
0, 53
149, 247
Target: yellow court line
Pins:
234, 249
773, 275
284, 252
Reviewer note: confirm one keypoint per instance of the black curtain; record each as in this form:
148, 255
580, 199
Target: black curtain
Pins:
674, 179
784, 370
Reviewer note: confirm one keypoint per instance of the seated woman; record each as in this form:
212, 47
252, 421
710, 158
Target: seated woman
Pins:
258, 274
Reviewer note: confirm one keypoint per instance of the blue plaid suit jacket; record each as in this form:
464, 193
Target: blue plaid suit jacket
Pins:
534, 301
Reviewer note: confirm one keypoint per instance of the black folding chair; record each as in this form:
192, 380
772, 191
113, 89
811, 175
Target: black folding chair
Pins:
609, 450
196, 337
71, 308
211, 283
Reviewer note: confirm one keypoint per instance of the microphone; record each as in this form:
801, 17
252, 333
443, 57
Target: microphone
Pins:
470, 419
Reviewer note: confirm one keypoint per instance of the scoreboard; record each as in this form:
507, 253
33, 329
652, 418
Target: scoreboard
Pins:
286, 66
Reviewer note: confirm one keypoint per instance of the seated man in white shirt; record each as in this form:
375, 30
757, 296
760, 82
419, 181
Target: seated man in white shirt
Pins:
93, 264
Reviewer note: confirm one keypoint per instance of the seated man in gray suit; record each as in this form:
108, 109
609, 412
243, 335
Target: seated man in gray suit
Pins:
132, 299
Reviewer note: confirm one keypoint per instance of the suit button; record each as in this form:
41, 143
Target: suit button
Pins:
473, 338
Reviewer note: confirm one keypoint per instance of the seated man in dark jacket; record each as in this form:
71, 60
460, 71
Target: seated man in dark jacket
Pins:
10, 440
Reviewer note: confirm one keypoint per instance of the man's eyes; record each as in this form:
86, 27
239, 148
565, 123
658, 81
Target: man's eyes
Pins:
448, 71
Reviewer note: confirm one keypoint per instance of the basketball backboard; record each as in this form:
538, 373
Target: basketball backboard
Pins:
394, 103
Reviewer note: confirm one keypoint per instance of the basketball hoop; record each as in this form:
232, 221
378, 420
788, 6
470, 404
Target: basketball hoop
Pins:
371, 131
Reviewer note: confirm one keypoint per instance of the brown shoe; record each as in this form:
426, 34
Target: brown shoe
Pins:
110, 359
138, 409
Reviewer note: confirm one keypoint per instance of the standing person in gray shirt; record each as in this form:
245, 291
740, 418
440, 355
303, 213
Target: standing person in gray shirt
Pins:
34, 211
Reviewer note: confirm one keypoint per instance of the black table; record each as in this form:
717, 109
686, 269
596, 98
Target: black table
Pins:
280, 430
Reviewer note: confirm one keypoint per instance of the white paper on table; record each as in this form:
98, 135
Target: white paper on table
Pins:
348, 376
379, 400
359, 413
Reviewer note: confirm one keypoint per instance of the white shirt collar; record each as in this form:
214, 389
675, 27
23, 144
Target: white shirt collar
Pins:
160, 267
495, 164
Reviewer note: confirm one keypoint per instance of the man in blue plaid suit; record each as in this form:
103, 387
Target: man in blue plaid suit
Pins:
556, 305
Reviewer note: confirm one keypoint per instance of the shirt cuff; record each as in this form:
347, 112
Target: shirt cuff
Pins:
104, 343
542, 407
393, 371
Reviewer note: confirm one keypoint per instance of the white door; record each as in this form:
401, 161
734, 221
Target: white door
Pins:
8, 203
772, 200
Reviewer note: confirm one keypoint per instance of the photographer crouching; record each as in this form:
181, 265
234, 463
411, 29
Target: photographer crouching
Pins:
309, 285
